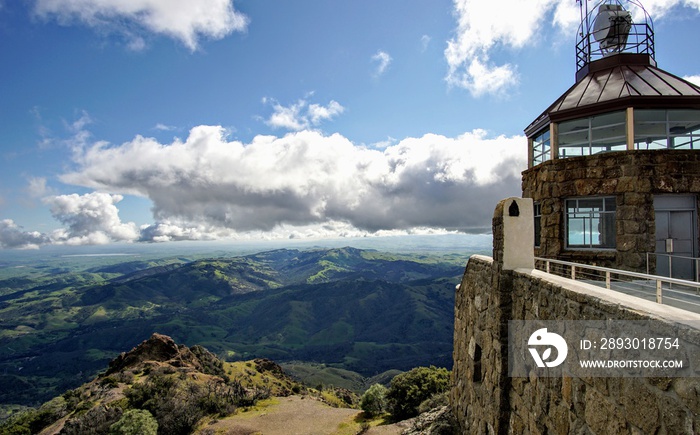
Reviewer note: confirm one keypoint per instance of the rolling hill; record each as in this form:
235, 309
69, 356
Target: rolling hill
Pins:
351, 309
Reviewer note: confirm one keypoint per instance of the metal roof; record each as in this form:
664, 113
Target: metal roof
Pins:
618, 82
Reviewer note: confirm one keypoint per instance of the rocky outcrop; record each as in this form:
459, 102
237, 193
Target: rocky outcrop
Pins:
158, 348
438, 421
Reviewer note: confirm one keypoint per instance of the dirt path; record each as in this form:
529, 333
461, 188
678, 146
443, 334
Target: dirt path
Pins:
297, 416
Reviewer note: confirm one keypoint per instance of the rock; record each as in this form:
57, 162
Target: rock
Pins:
438, 421
158, 348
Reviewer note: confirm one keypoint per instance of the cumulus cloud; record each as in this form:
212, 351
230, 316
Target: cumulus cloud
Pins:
207, 186
383, 61
301, 115
660, 8
488, 28
485, 26
92, 218
13, 236
183, 20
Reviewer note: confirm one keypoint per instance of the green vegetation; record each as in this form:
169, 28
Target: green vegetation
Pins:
374, 401
408, 390
159, 387
135, 422
346, 310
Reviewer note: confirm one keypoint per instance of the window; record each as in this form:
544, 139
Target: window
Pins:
537, 209
590, 223
662, 129
541, 145
593, 135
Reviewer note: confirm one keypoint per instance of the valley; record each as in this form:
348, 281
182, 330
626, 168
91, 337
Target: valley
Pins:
339, 315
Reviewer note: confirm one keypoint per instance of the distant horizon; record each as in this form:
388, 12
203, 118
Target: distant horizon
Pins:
446, 243
218, 119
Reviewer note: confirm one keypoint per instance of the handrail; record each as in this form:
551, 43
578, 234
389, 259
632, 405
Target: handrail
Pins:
671, 257
623, 272
659, 280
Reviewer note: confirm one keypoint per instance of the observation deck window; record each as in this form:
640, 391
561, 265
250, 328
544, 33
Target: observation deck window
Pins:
667, 129
537, 210
592, 135
541, 146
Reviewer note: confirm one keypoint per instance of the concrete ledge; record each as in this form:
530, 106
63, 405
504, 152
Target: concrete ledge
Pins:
620, 301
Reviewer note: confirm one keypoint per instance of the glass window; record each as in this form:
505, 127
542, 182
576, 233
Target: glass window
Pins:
593, 135
541, 146
667, 129
590, 223
537, 209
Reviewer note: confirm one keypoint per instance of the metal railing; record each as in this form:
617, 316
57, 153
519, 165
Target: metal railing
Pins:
663, 290
693, 262
640, 40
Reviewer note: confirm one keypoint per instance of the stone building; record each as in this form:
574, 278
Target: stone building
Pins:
614, 163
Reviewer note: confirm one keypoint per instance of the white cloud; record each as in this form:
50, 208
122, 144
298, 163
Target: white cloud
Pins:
168, 231
660, 8
301, 115
483, 79
13, 236
92, 218
37, 187
693, 79
301, 183
383, 61
164, 127
184, 20
485, 26
491, 29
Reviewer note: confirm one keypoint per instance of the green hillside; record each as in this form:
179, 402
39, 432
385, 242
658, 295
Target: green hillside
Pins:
363, 311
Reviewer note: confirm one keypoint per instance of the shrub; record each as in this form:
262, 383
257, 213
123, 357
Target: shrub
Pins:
173, 403
408, 390
435, 401
97, 420
135, 422
34, 420
109, 382
373, 402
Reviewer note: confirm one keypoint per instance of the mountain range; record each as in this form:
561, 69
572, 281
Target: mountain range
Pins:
357, 310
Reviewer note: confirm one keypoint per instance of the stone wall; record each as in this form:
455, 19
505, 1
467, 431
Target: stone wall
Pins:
487, 401
633, 177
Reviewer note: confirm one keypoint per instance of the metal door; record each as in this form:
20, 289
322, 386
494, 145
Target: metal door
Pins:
675, 236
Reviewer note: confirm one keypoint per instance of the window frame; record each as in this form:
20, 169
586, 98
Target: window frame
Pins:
537, 215
606, 215
542, 147
666, 120
588, 136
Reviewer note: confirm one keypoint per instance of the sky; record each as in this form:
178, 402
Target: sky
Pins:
164, 120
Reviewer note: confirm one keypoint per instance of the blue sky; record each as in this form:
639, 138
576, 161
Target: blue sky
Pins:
164, 120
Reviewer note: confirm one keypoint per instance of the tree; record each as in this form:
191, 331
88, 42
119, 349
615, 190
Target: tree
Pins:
135, 422
373, 402
408, 390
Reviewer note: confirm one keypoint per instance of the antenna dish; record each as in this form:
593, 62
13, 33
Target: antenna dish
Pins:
612, 27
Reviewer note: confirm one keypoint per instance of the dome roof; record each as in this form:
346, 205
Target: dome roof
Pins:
615, 83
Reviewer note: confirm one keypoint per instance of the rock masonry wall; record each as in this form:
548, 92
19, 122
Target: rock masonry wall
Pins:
632, 177
487, 401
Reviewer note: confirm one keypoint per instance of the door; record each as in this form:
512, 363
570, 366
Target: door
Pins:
675, 236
